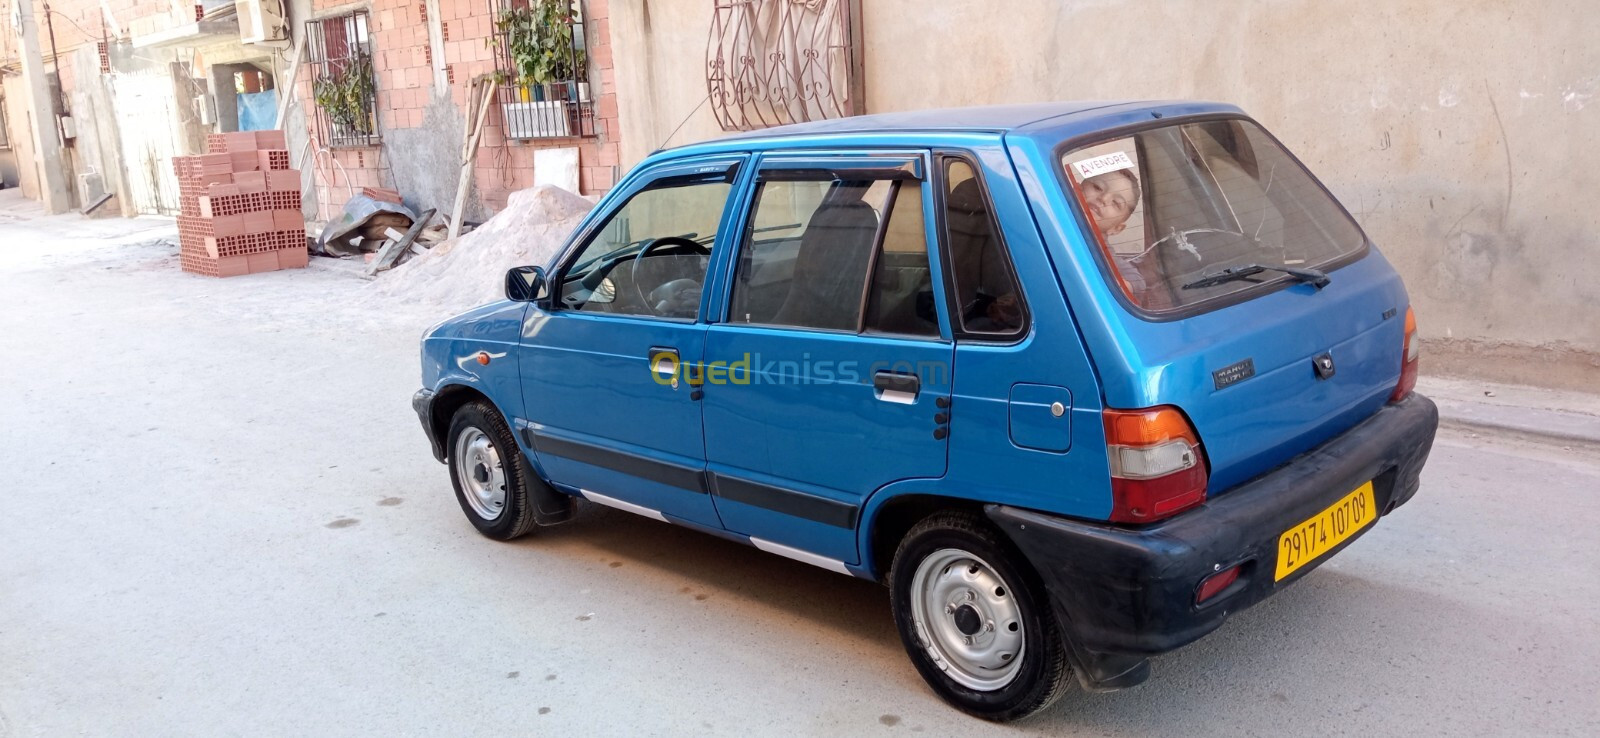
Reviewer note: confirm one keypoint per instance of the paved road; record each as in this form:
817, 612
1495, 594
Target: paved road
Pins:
219, 517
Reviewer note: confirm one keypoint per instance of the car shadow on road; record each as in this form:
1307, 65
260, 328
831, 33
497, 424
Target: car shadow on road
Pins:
845, 604
1337, 639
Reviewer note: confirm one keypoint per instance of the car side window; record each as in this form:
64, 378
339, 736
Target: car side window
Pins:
901, 298
650, 257
820, 251
987, 296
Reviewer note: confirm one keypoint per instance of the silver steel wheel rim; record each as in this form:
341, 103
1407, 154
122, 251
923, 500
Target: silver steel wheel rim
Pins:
482, 477
968, 619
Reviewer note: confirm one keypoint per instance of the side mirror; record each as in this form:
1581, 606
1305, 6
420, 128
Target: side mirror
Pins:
525, 284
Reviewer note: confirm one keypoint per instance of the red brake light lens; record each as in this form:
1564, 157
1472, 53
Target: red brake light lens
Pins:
1157, 470
1411, 352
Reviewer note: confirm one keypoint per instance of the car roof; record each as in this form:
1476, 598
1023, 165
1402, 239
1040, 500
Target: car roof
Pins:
985, 118
1058, 120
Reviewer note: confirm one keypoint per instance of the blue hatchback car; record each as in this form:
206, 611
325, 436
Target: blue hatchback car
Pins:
1077, 381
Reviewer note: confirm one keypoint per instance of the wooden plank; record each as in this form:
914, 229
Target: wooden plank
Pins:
469, 152
385, 253
393, 249
285, 94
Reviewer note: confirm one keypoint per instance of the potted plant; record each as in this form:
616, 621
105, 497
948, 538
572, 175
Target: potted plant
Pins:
537, 39
517, 30
344, 92
554, 63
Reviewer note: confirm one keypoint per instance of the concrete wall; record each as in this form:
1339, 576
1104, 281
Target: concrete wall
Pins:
1465, 136
19, 121
97, 160
90, 163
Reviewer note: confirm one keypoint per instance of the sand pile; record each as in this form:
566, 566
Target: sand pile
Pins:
470, 270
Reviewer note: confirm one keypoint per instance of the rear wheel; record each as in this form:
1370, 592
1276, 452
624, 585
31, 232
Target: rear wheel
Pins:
491, 479
975, 620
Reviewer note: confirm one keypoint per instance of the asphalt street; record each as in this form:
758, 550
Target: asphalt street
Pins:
218, 516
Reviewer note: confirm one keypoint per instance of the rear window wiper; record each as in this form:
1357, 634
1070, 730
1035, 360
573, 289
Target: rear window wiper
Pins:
1314, 277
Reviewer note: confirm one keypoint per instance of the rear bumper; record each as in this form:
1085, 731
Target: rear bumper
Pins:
1123, 594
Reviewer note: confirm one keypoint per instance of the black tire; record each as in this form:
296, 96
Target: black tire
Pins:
1043, 675
515, 519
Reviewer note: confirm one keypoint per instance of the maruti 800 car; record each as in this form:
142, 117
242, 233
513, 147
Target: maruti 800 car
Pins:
1075, 381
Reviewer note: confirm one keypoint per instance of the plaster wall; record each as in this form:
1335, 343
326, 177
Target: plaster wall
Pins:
19, 120
1465, 137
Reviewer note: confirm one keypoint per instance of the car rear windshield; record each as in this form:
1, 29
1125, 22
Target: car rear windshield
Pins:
1185, 214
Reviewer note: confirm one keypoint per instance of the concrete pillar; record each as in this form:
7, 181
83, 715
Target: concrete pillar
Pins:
54, 190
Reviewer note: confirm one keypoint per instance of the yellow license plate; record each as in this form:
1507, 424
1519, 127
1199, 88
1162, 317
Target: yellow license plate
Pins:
1307, 541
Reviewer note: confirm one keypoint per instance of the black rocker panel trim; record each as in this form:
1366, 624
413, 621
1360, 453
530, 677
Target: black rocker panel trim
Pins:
672, 475
786, 501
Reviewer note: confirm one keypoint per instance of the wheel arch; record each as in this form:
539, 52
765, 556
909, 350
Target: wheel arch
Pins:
550, 506
447, 399
889, 516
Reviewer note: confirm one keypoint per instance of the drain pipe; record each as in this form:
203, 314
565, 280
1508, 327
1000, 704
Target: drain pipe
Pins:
55, 59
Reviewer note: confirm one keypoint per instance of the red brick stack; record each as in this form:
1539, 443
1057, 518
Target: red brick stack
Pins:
240, 206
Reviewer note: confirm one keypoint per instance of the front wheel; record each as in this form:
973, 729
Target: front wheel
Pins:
490, 478
974, 619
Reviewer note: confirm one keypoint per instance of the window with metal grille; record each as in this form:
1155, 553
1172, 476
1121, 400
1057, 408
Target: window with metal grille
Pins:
339, 54
542, 63
775, 62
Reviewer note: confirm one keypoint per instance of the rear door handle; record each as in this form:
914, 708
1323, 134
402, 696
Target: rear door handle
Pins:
896, 387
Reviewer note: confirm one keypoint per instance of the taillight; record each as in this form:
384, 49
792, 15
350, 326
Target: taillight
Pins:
1156, 467
1411, 352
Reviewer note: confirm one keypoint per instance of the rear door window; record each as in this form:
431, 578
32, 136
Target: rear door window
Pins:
837, 251
1171, 208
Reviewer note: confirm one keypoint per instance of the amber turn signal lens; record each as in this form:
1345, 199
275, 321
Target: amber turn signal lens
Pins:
483, 358
1155, 461
1410, 353
1147, 427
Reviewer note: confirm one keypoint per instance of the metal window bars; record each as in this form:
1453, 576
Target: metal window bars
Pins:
775, 62
339, 55
541, 96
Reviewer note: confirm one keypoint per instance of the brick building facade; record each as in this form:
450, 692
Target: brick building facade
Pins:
143, 81
406, 44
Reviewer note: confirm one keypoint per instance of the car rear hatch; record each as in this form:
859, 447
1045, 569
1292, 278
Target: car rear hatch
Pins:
1245, 295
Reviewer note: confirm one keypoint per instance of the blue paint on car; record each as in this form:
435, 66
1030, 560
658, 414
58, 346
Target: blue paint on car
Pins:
814, 338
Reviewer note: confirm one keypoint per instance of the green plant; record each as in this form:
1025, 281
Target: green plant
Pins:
345, 93
538, 39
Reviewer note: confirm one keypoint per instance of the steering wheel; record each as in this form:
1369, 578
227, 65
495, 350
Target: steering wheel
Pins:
660, 243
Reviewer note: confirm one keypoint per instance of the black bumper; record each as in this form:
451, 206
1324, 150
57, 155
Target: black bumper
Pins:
1123, 594
422, 402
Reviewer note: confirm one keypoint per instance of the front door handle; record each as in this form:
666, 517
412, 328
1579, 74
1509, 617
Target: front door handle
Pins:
665, 364
896, 387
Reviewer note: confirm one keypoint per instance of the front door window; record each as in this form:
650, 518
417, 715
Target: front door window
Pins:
602, 418
650, 257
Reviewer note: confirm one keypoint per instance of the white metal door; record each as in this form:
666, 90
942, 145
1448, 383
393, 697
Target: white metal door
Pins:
149, 129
